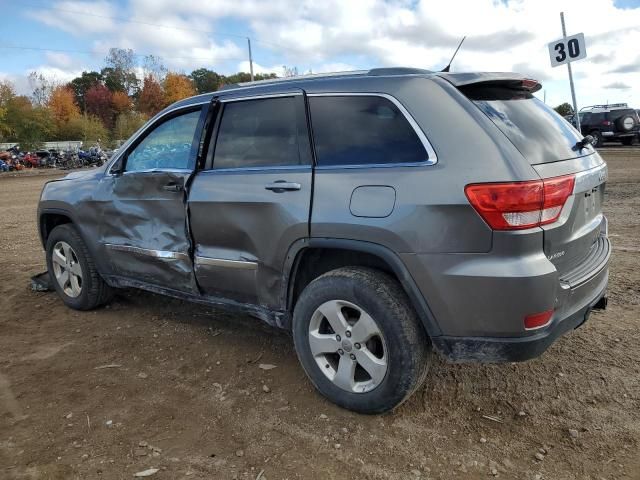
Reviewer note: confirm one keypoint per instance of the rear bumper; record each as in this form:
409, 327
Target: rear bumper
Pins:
518, 349
609, 135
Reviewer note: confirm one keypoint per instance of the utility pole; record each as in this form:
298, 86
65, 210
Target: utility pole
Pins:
573, 90
251, 58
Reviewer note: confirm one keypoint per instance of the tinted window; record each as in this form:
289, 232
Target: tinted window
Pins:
169, 145
536, 130
360, 130
258, 133
613, 115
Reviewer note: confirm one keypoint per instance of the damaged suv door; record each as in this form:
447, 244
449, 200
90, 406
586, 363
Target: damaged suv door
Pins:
251, 202
144, 225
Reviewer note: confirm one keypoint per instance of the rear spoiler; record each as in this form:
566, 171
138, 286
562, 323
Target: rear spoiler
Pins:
509, 80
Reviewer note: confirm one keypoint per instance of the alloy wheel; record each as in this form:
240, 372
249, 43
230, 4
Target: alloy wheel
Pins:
348, 346
67, 269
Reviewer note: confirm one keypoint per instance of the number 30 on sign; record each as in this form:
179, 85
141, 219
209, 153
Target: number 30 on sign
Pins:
567, 50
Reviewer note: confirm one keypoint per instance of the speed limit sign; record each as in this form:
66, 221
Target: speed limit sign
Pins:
568, 49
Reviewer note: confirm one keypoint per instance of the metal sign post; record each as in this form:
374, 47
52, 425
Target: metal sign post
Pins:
567, 50
573, 90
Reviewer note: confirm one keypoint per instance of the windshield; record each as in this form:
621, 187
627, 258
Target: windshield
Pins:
536, 130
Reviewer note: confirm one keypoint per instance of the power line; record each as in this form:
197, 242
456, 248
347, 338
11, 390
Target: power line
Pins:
138, 22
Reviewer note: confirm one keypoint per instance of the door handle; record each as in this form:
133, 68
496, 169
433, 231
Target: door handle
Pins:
280, 186
172, 187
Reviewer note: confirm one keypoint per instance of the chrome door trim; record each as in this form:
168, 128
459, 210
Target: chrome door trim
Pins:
259, 97
223, 262
432, 158
147, 252
266, 168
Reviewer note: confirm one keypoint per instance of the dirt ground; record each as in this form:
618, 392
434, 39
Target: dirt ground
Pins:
153, 382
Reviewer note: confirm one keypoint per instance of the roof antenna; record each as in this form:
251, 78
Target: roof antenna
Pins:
448, 67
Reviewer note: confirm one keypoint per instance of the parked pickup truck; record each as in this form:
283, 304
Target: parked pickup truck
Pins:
377, 215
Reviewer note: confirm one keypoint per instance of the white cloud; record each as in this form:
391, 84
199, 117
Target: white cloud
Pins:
501, 36
59, 59
69, 17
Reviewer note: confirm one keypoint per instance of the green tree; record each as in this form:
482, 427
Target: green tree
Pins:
87, 128
241, 77
127, 124
28, 125
7, 92
205, 80
564, 109
80, 85
119, 73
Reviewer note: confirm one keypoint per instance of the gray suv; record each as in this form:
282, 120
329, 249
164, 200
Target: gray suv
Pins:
377, 215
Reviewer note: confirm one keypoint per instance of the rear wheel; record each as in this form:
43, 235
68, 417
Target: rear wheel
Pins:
359, 340
597, 137
73, 272
628, 140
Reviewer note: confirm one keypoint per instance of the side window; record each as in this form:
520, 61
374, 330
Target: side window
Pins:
258, 133
362, 130
169, 145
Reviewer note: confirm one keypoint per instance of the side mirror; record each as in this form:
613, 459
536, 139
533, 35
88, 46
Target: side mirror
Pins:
117, 167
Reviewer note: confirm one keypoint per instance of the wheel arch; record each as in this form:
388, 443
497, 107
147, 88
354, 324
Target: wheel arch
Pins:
359, 253
50, 218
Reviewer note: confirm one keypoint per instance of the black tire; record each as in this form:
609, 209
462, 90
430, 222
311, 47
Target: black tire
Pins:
408, 349
624, 125
598, 138
628, 140
94, 291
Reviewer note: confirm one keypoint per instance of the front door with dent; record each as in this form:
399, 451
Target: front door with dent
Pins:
144, 228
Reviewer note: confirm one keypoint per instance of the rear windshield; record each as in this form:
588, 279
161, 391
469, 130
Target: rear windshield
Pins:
537, 131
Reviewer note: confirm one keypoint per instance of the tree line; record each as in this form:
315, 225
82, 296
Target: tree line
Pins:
107, 105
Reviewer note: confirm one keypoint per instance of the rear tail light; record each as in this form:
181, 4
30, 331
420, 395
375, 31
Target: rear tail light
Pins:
537, 320
520, 205
606, 123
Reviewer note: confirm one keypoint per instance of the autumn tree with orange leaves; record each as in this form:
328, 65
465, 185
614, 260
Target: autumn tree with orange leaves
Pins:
109, 103
176, 87
62, 104
151, 99
121, 103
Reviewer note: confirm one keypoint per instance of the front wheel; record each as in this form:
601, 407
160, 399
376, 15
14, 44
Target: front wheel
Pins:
73, 272
359, 339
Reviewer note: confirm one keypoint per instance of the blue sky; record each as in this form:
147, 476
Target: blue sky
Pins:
74, 35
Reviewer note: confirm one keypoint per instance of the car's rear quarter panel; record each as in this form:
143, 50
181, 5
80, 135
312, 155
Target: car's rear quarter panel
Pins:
441, 239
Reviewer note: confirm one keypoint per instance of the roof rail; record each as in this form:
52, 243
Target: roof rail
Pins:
270, 81
398, 71
372, 72
608, 105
